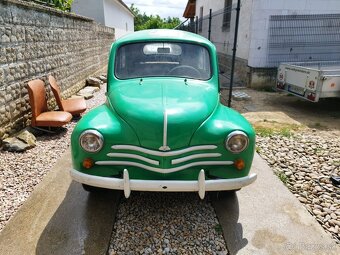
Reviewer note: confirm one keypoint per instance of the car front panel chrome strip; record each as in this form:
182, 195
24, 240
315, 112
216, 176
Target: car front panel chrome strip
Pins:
163, 170
195, 156
163, 154
165, 147
134, 156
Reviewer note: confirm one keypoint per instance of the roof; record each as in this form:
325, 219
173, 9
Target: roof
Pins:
163, 35
190, 9
125, 6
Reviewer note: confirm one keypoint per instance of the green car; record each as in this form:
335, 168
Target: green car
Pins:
163, 127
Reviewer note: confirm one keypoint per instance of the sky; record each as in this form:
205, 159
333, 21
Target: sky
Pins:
164, 8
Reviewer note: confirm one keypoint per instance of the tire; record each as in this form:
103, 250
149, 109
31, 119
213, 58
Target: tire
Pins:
91, 189
218, 195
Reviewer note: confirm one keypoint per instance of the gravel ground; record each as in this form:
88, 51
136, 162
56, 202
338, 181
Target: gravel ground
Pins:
166, 223
304, 162
21, 172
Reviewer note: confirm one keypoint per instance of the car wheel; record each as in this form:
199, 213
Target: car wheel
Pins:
91, 189
217, 195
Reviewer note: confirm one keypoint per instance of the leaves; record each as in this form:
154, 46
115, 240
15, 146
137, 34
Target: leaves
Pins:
143, 21
63, 5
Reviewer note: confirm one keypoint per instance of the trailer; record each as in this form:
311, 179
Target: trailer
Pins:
309, 80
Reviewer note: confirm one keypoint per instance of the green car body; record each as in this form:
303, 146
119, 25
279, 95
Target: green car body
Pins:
163, 131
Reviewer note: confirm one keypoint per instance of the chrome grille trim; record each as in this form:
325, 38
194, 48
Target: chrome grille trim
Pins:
134, 156
163, 154
162, 170
195, 156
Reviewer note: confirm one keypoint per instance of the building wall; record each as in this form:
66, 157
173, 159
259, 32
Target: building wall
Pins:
119, 17
93, 9
261, 11
37, 41
225, 39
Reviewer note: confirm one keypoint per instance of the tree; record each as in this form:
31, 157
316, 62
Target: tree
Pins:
143, 21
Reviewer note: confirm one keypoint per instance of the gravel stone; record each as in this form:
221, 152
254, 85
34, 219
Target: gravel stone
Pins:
147, 220
20, 173
308, 159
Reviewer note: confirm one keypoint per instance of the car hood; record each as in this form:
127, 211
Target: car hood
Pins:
164, 114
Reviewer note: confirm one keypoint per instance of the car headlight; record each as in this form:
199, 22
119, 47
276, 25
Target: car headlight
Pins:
91, 141
237, 142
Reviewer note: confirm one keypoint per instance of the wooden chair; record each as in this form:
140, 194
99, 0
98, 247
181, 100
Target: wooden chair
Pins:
75, 106
41, 117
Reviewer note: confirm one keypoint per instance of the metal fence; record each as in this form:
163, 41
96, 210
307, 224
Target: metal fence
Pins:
221, 28
300, 38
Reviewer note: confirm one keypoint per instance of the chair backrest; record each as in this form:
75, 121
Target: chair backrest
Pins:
37, 95
56, 91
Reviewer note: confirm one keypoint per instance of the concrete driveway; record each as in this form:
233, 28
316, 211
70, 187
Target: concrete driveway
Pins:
266, 218
60, 218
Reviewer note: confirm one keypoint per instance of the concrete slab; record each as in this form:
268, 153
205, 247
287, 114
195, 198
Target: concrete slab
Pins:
61, 218
266, 218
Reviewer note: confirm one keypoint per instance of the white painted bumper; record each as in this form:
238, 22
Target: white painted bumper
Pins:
200, 186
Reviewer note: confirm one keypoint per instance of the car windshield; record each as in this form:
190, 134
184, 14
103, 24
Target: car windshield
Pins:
172, 59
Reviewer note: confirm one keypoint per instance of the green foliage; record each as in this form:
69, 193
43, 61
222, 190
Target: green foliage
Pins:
218, 229
63, 5
264, 132
283, 131
143, 21
284, 178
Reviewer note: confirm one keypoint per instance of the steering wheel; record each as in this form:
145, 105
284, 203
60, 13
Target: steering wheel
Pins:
184, 70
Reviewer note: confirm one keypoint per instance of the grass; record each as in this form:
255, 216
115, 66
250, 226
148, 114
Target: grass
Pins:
282, 177
286, 131
218, 229
264, 132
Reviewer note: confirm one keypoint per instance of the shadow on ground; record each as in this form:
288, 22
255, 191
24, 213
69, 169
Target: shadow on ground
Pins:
82, 224
226, 206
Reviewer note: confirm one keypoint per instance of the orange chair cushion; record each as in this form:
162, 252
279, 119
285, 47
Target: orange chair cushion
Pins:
53, 119
74, 105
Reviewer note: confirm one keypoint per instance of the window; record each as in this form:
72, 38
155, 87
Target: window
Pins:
200, 23
162, 59
227, 15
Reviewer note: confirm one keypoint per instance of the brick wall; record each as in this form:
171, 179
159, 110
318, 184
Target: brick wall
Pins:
36, 41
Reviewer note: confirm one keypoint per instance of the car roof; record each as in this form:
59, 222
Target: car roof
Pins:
163, 35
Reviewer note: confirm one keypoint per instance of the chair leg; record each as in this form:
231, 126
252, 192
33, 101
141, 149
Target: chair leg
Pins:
44, 130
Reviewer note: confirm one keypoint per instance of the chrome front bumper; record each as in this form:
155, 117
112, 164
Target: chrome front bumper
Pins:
200, 186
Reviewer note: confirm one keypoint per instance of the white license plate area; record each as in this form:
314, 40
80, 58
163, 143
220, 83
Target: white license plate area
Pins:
297, 90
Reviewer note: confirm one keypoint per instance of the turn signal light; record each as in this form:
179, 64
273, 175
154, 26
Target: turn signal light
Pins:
88, 163
239, 164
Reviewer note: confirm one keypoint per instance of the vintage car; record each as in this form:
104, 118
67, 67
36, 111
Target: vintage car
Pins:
162, 127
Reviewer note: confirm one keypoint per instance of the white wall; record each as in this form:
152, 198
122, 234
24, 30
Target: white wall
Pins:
224, 39
261, 11
89, 8
119, 17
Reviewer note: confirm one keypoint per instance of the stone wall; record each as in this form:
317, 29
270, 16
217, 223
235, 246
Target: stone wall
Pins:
36, 41
241, 74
